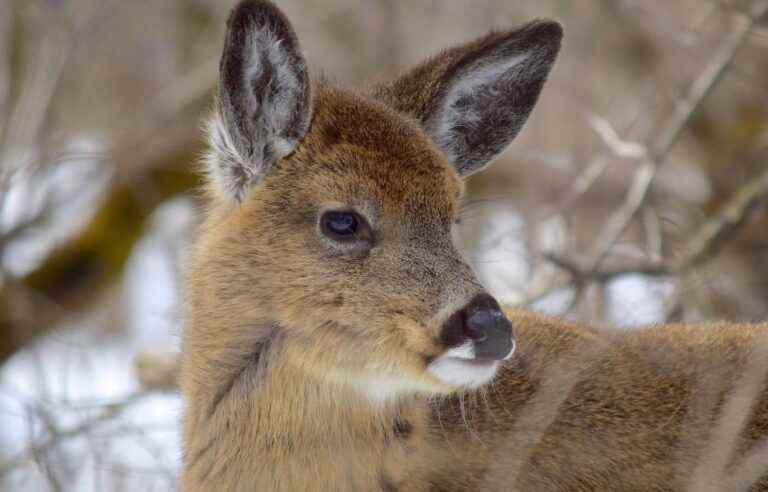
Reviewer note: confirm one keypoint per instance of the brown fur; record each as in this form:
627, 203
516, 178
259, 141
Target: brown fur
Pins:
286, 338
582, 410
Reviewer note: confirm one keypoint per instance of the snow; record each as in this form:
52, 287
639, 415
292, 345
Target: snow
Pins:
74, 374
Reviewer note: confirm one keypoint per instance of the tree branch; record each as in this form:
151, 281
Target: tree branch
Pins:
712, 234
704, 245
658, 151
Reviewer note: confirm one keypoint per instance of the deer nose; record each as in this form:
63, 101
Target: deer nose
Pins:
483, 324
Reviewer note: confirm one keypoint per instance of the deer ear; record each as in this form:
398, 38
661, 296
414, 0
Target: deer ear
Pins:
263, 107
474, 99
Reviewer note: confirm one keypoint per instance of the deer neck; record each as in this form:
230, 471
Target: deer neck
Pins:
285, 419
294, 401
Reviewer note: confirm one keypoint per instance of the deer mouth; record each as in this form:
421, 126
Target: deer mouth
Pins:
461, 368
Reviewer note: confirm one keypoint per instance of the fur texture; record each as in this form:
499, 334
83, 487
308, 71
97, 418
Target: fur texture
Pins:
310, 364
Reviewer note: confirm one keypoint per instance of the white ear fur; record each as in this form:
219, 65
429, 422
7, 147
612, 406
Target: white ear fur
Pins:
487, 101
451, 114
223, 163
278, 114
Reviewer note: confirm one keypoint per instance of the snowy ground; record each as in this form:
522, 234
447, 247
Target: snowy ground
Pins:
71, 402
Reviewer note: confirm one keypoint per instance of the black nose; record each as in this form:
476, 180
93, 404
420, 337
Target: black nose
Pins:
483, 322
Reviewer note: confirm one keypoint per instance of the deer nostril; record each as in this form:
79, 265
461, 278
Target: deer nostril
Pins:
478, 324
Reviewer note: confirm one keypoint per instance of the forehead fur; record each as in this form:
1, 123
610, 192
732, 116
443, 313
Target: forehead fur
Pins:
358, 149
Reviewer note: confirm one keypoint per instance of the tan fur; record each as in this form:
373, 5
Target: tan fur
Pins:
286, 341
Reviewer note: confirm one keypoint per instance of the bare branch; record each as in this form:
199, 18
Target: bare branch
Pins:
658, 151
704, 245
715, 232
711, 235
57, 436
611, 139
5, 63
29, 115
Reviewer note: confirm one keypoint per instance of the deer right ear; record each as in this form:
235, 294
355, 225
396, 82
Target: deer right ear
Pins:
475, 98
263, 107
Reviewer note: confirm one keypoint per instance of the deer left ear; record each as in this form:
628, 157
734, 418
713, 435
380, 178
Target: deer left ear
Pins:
474, 99
264, 107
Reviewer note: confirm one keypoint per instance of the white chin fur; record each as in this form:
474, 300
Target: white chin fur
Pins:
458, 367
465, 373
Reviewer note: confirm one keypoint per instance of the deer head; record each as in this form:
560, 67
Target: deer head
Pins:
330, 232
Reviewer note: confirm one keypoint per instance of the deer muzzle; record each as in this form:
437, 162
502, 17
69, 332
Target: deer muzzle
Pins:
480, 330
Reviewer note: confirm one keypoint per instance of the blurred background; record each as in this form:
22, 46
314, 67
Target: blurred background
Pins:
634, 195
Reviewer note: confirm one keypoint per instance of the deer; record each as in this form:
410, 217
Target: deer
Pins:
335, 339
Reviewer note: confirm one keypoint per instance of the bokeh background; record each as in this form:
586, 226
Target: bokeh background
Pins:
634, 195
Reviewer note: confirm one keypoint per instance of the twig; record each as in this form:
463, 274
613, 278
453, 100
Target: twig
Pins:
704, 245
5, 70
652, 231
579, 270
611, 139
658, 151
28, 117
38, 449
598, 164
711, 236
585, 180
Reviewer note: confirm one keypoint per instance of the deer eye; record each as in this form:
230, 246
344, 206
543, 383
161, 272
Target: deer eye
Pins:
344, 226
341, 223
